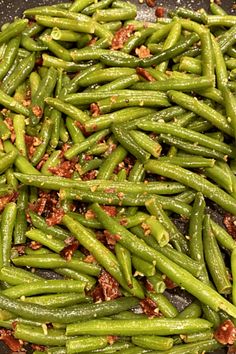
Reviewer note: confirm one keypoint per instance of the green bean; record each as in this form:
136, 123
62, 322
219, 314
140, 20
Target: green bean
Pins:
153, 342
54, 47
65, 23
107, 15
16, 276
171, 269
222, 236
79, 345
214, 260
101, 253
233, 276
201, 109
21, 222
188, 162
4, 130
7, 160
14, 29
164, 305
89, 10
194, 181
55, 261
58, 300
9, 56
142, 267
44, 136
38, 335
201, 346
220, 67
157, 283
135, 327
124, 259
191, 311
190, 65
157, 230
10, 103
7, 227
109, 164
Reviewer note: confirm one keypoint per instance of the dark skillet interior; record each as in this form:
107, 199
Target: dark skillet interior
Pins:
13, 8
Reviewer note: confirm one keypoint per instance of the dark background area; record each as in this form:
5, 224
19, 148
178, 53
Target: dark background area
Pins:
14, 8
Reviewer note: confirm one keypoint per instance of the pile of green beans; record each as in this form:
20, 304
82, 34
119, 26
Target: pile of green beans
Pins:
117, 179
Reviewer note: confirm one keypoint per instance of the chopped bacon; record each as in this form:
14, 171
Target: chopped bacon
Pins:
31, 143
110, 190
148, 285
146, 229
111, 339
151, 3
34, 245
92, 41
42, 162
142, 52
111, 238
20, 249
69, 240
64, 148
39, 348
97, 294
9, 123
89, 214
121, 36
7, 199
37, 111
109, 286
231, 349
39, 61
55, 217
230, 224
160, 12
90, 175
82, 128
95, 110
68, 252
110, 210
169, 283
149, 307
15, 345
64, 169
90, 259
226, 333
145, 74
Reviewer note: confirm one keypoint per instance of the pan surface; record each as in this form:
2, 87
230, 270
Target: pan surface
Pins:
9, 9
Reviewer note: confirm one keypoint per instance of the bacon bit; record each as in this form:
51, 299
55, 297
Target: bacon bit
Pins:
95, 110
31, 143
225, 333
230, 224
231, 350
26, 103
7, 199
110, 210
143, 52
34, 245
146, 229
110, 190
89, 214
149, 307
56, 217
82, 128
97, 294
111, 238
90, 175
148, 285
42, 162
169, 283
160, 12
90, 259
37, 111
68, 252
111, 148
64, 169
20, 249
120, 166
109, 286
9, 123
39, 61
92, 42
69, 240
145, 74
111, 339
121, 36
120, 195
123, 221
40, 348
88, 157
13, 344
64, 148
151, 3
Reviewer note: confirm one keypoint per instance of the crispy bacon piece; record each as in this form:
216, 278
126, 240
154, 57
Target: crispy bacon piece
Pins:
226, 333
38, 112
42, 162
55, 217
111, 238
231, 349
149, 307
39, 348
34, 245
69, 250
90, 259
64, 148
20, 249
110, 210
82, 128
64, 169
151, 3
90, 175
121, 37
92, 41
169, 283
13, 344
111, 339
89, 214
9, 123
97, 294
160, 12
7, 199
230, 224
148, 285
109, 286
145, 74
95, 110
31, 144
142, 52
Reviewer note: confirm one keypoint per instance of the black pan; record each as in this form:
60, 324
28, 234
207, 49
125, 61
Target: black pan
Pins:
9, 9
